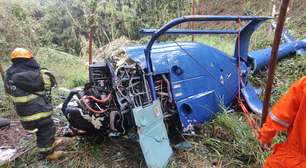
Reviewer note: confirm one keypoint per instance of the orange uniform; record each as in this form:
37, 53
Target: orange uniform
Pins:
289, 114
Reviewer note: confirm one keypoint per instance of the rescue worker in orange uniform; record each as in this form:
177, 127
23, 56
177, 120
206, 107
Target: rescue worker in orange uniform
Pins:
29, 87
289, 114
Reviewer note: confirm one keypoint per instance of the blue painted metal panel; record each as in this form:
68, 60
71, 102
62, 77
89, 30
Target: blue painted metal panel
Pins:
202, 77
161, 54
153, 136
219, 68
188, 31
255, 21
290, 39
197, 108
261, 58
186, 88
245, 37
251, 98
204, 69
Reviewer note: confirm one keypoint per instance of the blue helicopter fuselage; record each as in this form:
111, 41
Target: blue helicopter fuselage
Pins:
203, 79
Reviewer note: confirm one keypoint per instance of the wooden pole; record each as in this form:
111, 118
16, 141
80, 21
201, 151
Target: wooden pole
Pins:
92, 24
3, 121
202, 6
90, 45
3, 78
273, 61
192, 23
2, 73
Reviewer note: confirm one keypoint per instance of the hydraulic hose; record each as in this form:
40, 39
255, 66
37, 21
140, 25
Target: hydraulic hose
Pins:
104, 100
84, 100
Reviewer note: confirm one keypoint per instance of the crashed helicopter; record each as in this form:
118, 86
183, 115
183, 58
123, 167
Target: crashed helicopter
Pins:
159, 85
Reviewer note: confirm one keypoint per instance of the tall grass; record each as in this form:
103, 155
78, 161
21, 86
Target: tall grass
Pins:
6, 108
70, 71
225, 43
226, 141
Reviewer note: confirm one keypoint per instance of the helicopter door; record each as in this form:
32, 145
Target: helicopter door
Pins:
153, 137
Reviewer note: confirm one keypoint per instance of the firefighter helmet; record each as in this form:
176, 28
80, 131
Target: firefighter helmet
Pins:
21, 53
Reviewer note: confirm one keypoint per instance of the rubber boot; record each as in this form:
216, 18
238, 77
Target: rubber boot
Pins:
63, 141
55, 155
58, 142
4, 122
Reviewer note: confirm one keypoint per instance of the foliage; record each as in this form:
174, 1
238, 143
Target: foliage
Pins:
288, 71
16, 28
57, 30
223, 43
70, 71
64, 24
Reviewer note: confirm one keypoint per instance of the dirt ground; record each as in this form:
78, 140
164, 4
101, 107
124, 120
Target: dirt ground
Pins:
15, 137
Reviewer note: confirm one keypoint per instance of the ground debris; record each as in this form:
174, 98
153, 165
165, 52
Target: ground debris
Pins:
15, 138
12, 135
114, 49
6, 154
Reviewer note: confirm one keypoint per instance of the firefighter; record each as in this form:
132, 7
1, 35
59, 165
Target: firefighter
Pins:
289, 114
29, 87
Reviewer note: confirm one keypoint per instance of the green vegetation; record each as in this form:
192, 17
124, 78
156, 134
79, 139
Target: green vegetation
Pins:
57, 32
288, 71
70, 71
64, 24
226, 141
224, 43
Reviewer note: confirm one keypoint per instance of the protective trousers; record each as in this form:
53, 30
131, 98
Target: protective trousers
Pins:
284, 157
45, 133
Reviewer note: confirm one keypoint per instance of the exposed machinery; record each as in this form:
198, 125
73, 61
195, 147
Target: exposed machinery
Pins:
174, 84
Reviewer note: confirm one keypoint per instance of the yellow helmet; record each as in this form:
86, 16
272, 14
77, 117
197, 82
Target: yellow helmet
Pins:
21, 53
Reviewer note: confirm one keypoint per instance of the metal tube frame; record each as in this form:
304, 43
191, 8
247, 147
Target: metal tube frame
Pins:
177, 21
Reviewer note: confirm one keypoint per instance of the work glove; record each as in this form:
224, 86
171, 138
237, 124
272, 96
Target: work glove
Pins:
264, 142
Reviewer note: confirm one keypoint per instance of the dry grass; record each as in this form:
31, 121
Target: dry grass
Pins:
226, 141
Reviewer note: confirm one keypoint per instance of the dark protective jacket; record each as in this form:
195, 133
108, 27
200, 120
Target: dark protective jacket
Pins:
29, 87
25, 84
74, 116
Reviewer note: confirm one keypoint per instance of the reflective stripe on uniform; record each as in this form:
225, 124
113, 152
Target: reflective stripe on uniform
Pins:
25, 99
46, 149
45, 71
46, 78
32, 131
278, 120
36, 116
